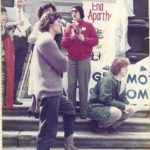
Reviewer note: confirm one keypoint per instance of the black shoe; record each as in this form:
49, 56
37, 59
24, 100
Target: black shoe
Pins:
83, 117
17, 103
99, 130
30, 113
112, 130
34, 114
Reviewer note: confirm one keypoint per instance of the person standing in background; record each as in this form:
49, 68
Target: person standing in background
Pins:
79, 39
7, 61
20, 31
42, 8
49, 64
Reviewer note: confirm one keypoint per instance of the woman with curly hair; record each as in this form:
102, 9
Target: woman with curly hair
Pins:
42, 9
108, 104
48, 64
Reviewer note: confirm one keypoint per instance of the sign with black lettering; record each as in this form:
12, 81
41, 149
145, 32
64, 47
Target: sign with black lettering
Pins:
137, 80
110, 19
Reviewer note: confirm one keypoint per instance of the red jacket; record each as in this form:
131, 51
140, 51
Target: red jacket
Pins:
10, 60
76, 48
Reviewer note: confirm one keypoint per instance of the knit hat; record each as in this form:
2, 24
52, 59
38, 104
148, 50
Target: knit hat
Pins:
80, 9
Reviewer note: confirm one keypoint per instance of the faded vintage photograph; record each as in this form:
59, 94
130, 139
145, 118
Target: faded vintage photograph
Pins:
75, 75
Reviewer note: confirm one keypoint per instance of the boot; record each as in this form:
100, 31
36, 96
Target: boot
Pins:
69, 143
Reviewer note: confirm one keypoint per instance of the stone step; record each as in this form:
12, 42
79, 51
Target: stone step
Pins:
82, 139
21, 110
33, 148
23, 123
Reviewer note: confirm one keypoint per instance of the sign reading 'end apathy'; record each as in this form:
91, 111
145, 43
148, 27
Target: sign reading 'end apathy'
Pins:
98, 12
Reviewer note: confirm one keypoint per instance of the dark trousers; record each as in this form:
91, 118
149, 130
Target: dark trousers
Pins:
21, 49
51, 107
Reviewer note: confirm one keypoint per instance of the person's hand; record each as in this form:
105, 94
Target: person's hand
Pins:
81, 37
20, 23
128, 109
73, 35
32, 40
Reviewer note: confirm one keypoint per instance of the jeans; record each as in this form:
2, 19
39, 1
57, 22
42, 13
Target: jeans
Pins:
51, 107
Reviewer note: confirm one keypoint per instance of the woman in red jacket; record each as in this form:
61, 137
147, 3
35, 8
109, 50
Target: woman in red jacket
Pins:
8, 58
79, 39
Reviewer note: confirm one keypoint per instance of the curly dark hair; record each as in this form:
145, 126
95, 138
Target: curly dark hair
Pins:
45, 5
119, 63
47, 19
3, 9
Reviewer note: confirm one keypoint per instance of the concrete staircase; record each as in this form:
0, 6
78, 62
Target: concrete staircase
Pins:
20, 131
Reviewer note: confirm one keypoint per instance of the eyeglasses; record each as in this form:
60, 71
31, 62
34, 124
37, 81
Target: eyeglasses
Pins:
74, 10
